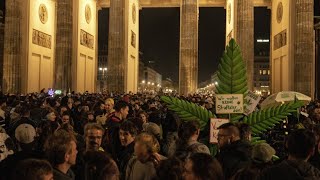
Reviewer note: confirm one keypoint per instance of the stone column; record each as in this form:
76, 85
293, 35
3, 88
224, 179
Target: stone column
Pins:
303, 47
1, 47
317, 63
245, 35
12, 47
63, 61
116, 44
188, 65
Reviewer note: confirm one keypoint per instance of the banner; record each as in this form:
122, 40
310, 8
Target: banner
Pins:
214, 125
229, 103
250, 102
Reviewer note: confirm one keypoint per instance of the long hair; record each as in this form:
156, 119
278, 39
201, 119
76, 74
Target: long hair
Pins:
186, 130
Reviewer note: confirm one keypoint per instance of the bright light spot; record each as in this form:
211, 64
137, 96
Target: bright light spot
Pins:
100, 69
143, 81
105, 69
263, 40
149, 83
216, 83
152, 84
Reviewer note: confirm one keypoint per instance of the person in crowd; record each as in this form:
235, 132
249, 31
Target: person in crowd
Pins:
51, 116
201, 166
3, 104
300, 145
153, 129
127, 135
33, 169
315, 158
235, 153
66, 119
7, 146
143, 165
44, 130
113, 124
144, 116
61, 149
261, 159
187, 143
81, 145
99, 166
93, 133
170, 126
109, 104
245, 131
172, 169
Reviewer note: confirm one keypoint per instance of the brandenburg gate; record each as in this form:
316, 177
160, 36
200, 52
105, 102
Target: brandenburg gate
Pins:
53, 43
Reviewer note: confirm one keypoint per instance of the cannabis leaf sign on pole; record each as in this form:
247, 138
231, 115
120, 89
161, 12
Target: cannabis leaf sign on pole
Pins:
232, 73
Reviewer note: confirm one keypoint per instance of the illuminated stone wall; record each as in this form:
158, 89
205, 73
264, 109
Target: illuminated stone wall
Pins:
84, 63
292, 37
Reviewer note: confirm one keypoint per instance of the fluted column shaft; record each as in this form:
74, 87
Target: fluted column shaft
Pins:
188, 65
63, 61
303, 48
245, 35
12, 47
116, 61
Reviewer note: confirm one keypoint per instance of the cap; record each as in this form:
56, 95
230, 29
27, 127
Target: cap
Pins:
25, 133
262, 153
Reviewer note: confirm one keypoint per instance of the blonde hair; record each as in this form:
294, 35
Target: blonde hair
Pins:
149, 141
109, 100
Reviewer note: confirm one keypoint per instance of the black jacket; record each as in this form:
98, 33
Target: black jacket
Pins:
124, 155
234, 157
293, 170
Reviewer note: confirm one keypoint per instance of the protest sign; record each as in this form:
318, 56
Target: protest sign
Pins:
214, 125
229, 103
250, 102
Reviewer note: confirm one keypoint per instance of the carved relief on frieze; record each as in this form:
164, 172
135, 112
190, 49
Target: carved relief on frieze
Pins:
41, 39
86, 39
280, 40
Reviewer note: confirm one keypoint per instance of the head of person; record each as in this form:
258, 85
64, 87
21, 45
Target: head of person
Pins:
33, 169
188, 129
93, 133
3, 103
109, 104
90, 116
170, 169
122, 109
127, 133
200, 166
25, 135
145, 146
301, 144
316, 114
245, 131
136, 107
262, 153
100, 166
61, 148
65, 118
51, 116
228, 133
63, 109
144, 116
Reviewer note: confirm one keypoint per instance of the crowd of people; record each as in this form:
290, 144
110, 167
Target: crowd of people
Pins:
136, 137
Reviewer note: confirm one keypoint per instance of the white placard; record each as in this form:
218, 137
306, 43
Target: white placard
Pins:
251, 101
214, 125
229, 103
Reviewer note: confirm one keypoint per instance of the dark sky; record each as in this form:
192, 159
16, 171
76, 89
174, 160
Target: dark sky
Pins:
159, 39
